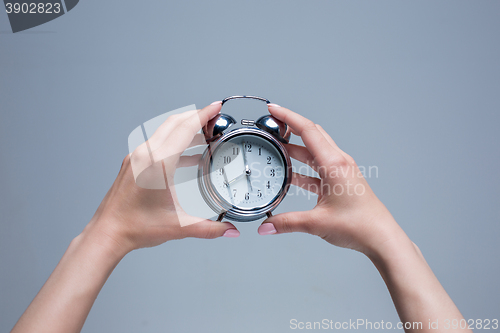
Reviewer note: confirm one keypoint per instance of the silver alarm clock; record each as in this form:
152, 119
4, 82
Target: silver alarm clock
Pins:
245, 171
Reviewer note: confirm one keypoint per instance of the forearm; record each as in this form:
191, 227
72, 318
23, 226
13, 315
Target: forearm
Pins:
415, 290
63, 303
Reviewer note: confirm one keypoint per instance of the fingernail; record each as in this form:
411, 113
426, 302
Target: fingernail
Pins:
231, 233
273, 105
267, 229
216, 103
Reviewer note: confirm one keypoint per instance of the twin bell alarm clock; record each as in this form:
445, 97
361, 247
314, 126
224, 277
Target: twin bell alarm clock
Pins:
245, 171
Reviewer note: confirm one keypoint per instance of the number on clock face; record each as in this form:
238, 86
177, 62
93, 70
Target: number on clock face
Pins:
247, 171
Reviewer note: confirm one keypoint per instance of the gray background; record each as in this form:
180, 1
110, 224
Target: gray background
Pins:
412, 88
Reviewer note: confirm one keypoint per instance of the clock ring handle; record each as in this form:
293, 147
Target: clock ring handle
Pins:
267, 123
251, 97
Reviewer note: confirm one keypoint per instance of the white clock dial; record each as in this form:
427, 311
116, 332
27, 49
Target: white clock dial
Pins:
247, 171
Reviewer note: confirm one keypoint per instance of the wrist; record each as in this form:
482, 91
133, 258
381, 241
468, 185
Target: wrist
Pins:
107, 241
386, 239
394, 252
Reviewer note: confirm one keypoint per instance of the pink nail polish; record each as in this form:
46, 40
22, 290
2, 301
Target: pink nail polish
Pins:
267, 229
231, 233
273, 105
215, 103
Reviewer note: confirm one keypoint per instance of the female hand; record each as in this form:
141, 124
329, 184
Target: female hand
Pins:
129, 217
347, 214
134, 216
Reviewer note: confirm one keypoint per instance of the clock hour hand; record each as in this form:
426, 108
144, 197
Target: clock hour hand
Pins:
227, 183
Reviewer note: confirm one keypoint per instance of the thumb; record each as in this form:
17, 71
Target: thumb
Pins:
211, 229
287, 222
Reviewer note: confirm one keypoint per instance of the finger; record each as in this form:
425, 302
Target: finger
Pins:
162, 133
330, 140
155, 149
198, 140
315, 142
288, 222
301, 154
185, 132
294, 132
210, 229
143, 157
327, 137
188, 161
311, 184
291, 129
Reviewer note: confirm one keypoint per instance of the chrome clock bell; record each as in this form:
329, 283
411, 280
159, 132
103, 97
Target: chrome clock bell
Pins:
245, 172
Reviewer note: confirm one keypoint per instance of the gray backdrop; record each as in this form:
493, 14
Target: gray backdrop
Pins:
412, 88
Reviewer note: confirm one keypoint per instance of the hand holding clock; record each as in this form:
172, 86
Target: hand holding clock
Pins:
131, 217
360, 222
343, 218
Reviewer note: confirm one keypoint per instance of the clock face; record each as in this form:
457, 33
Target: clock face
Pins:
247, 171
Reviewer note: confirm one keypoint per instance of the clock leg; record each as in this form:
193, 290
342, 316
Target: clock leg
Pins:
221, 216
269, 214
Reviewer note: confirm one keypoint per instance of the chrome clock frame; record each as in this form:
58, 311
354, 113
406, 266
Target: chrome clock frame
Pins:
215, 201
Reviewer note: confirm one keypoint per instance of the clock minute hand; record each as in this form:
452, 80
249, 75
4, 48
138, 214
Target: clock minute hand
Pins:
247, 169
